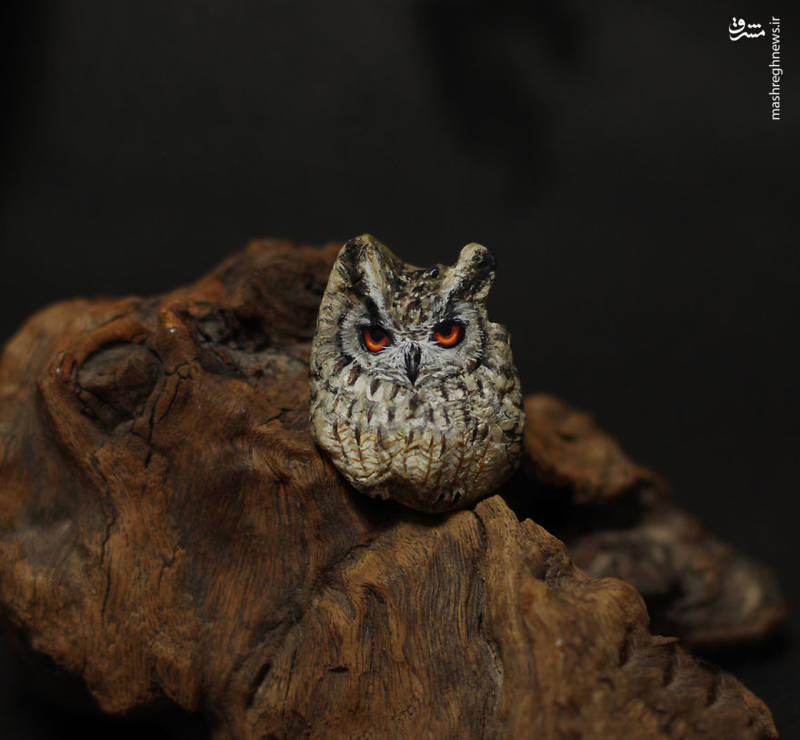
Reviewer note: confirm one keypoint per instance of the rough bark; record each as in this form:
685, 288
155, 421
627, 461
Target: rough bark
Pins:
169, 530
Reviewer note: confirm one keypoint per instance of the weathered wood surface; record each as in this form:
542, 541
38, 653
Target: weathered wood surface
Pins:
617, 519
169, 530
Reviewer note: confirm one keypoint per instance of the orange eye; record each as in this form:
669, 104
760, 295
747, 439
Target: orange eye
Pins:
375, 338
448, 333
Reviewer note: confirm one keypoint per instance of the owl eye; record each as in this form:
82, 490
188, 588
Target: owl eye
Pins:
448, 333
375, 338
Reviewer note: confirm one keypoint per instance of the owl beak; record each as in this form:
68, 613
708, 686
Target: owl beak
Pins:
412, 355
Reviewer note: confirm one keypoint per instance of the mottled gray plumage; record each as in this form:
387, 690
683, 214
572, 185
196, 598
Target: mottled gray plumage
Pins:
401, 414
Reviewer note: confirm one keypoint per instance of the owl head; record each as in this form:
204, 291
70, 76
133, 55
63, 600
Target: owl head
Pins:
414, 394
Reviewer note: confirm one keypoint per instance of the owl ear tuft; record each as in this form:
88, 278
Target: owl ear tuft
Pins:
472, 275
367, 264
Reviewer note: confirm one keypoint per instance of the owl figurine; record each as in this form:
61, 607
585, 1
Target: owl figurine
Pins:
414, 393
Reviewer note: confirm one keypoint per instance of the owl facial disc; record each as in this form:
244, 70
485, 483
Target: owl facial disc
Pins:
414, 393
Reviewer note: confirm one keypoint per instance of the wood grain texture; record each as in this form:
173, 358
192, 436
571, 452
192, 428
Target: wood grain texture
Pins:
168, 530
617, 519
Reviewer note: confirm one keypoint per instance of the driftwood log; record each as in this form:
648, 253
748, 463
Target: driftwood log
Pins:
169, 531
617, 519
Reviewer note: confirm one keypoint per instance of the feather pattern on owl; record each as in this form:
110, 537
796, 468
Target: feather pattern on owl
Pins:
414, 393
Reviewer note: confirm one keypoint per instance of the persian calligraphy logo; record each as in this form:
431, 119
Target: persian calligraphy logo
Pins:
741, 29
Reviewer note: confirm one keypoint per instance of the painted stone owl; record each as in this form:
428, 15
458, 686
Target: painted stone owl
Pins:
414, 393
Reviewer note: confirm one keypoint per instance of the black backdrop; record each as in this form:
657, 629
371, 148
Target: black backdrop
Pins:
619, 160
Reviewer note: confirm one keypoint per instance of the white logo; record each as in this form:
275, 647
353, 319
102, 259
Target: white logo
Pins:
738, 29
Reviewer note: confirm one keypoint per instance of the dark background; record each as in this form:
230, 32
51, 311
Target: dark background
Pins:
620, 161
